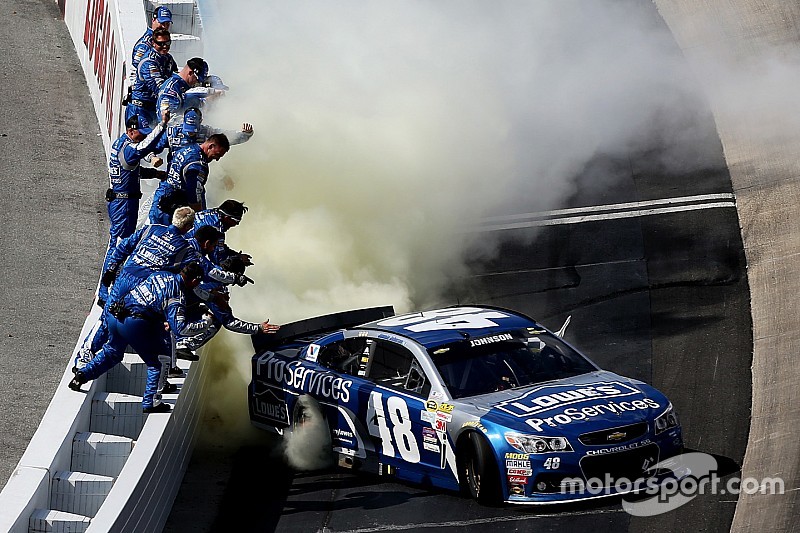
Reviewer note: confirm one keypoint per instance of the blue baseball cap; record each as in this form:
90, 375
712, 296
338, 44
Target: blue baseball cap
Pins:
140, 123
191, 120
162, 14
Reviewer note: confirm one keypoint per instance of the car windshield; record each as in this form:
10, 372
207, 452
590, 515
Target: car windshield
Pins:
506, 360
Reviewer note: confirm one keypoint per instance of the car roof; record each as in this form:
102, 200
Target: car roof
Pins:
443, 326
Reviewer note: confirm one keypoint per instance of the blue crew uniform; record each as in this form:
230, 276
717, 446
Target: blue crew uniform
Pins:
125, 190
188, 172
160, 298
151, 74
142, 48
222, 316
171, 95
213, 217
149, 249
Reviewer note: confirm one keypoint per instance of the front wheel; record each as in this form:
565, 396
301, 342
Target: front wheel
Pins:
478, 473
308, 445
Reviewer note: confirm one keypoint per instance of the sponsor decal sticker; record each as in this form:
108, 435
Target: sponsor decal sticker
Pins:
343, 433
313, 352
429, 435
516, 463
491, 339
431, 405
517, 489
550, 397
447, 417
573, 414
516, 455
621, 448
431, 447
520, 480
520, 472
446, 407
474, 424
296, 376
427, 416
269, 407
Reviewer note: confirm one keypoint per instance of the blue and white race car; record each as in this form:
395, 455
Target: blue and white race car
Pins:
479, 399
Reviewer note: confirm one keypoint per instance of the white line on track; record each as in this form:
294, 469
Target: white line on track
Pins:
579, 215
461, 523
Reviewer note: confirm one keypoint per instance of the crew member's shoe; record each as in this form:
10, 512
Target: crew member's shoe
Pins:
169, 388
160, 408
176, 372
77, 381
185, 353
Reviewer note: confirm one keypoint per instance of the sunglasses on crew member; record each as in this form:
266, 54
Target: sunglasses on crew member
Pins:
162, 44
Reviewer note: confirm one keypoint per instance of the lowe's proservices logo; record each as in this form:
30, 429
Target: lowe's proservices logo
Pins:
548, 397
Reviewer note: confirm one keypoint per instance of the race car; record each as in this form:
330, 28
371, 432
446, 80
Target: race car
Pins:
482, 400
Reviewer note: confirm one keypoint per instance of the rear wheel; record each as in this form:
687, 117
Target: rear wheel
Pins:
478, 472
308, 445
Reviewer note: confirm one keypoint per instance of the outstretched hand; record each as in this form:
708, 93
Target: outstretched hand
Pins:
266, 327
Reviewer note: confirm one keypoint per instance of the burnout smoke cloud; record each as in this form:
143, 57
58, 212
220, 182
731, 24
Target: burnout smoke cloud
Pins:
383, 129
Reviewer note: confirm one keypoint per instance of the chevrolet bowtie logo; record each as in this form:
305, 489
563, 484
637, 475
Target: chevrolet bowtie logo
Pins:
619, 435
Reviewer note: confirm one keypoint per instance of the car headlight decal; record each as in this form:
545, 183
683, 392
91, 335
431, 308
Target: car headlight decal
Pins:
667, 420
538, 445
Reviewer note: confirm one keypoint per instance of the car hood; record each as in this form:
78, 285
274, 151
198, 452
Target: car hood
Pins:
571, 406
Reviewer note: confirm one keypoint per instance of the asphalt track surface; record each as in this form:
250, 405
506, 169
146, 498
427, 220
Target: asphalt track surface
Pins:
663, 298
53, 222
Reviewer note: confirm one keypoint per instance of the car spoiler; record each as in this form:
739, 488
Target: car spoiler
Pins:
318, 325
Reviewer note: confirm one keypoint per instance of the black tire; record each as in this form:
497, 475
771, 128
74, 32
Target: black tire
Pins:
478, 473
307, 446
